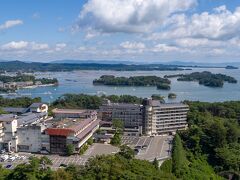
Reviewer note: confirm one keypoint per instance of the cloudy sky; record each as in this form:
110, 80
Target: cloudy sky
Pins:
134, 30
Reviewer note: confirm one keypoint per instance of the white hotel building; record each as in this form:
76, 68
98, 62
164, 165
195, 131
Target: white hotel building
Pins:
161, 118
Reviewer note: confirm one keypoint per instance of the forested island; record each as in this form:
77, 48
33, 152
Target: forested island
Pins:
110, 80
12, 83
172, 96
231, 67
205, 78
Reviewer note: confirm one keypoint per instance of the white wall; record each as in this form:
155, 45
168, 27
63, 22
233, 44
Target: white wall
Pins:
30, 137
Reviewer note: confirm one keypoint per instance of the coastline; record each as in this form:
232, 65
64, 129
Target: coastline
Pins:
36, 86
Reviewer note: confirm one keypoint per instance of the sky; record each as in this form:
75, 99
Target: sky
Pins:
127, 30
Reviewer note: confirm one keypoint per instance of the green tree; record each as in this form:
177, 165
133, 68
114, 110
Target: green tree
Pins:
179, 157
126, 152
3, 173
90, 141
118, 125
70, 149
116, 139
83, 149
156, 163
61, 174
166, 166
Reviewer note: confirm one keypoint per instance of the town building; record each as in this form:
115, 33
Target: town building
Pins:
150, 118
17, 85
62, 132
130, 114
30, 137
22, 129
8, 132
74, 113
34, 108
161, 118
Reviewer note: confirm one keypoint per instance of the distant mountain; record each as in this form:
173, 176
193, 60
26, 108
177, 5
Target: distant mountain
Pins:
181, 63
116, 62
177, 63
91, 61
37, 66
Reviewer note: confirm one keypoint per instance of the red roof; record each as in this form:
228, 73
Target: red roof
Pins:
59, 132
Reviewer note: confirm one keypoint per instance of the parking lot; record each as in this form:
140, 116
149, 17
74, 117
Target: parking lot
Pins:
100, 149
95, 149
150, 147
13, 160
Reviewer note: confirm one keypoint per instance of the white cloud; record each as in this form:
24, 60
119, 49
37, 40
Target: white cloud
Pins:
221, 24
164, 48
15, 45
37, 46
128, 15
132, 45
91, 34
60, 46
10, 23
24, 45
195, 42
82, 48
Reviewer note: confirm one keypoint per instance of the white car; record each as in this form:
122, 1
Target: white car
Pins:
11, 159
4, 157
23, 157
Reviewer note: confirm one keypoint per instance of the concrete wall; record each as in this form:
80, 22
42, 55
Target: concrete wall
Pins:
30, 138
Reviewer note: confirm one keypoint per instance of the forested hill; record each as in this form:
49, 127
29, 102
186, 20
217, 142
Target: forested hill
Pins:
37, 66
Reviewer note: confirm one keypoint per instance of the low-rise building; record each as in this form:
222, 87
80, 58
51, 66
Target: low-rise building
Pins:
22, 132
30, 137
8, 132
69, 131
74, 113
34, 108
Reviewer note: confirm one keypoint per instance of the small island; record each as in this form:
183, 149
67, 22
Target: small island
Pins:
12, 83
231, 67
158, 97
110, 80
172, 96
205, 78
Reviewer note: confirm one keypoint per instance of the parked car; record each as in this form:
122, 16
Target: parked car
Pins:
10, 153
136, 151
12, 158
138, 147
3, 151
4, 157
63, 165
8, 166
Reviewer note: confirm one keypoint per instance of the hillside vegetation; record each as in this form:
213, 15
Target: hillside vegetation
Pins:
205, 78
110, 80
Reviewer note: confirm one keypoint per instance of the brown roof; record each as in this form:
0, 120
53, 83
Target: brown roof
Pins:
88, 129
59, 132
82, 124
72, 111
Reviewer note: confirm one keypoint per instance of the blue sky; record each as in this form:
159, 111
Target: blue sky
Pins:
134, 30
